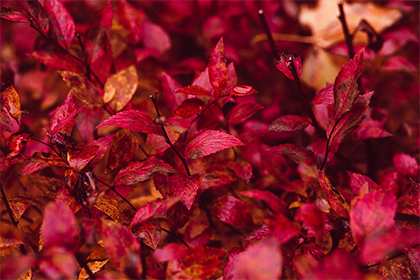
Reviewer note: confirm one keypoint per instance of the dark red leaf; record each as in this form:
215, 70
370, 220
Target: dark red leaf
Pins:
210, 142
218, 70
242, 169
122, 150
189, 107
60, 227
103, 144
361, 184
298, 155
170, 252
282, 228
13, 267
16, 143
406, 165
284, 66
11, 100
312, 217
273, 201
141, 171
58, 60
261, 260
150, 233
335, 198
242, 90
325, 96
242, 112
259, 233
345, 85
122, 248
6, 122
289, 123
42, 160
34, 11
371, 214
133, 120
12, 15
194, 90
169, 89
131, 19
153, 209
232, 211
79, 156
62, 24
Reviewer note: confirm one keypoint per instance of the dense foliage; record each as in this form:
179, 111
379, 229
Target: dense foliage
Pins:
153, 140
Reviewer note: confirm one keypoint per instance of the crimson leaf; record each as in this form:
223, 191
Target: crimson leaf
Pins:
232, 211
406, 165
284, 66
58, 60
242, 112
242, 90
218, 70
12, 15
297, 154
62, 24
289, 123
153, 209
335, 198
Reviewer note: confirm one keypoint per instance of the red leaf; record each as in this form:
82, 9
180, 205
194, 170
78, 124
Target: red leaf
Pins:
194, 90
398, 63
210, 142
60, 227
103, 144
325, 96
218, 70
16, 143
406, 165
282, 228
122, 150
169, 87
58, 60
154, 37
170, 252
242, 112
10, 98
242, 169
13, 267
83, 89
371, 214
12, 15
133, 120
297, 154
141, 171
242, 90
284, 66
345, 85
132, 20
6, 122
312, 217
361, 184
153, 209
58, 263
62, 24
273, 201
335, 198
79, 156
289, 123
122, 248
232, 211
42, 160
261, 260
189, 107
34, 10
150, 233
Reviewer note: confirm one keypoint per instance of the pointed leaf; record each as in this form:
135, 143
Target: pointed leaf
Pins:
194, 90
103, 144
297, 154
285, 67
153, 209
131, 19
210, 142
122, 150
361, 184
169, 89
62, 24
189, 107
406, 165
34, 10
282, 228
141, 171
120, 88
242, 90
42, 160
232, 211
289, 123
58, 60
325, 96
82, 88
150, 233
218, 70
242, 112
12, 15
273, 201
335, 198
10, 98
312, 217
154, 37
79, 156
60, 230
133, 120
345, 85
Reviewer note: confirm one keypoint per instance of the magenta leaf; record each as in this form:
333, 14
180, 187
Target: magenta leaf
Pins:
133, 120
261, 260
34, 11
60, 227
58, 60
345, 85
169, 88
131, 19
297, 154
12, 15
58, 263
210, 142
189, 107
242, 90
42, 160
242, 112
122, 248
79, 156
232, 211
141, 171
312, 217
325, 96
103, 144
194, 90
155, 38
372, 214
153, 209
285, 67
335, 198
282, 228
169, 252
289, 123
406, 165
274, 202
150, 233
361, 184
62, 24
218, 70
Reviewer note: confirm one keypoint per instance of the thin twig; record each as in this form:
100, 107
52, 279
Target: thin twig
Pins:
176, 235
267, 31
112, 188
347, 35
51, 146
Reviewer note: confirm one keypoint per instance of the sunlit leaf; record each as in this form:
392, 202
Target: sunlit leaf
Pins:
62, 24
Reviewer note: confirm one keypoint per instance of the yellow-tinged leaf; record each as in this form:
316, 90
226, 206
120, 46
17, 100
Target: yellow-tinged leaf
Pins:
81, 87
120, 88
10, 99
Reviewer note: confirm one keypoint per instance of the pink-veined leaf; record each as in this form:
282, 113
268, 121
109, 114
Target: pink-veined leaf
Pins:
259, 233
62, 24
153, 209
57, 60
232, 211
297, 154
242, 90
150, 233
242, 112
218, 70
42, 160
361, 184
371, 214
210, 142
123, 148
133, 120
131, 19
79, 156
335, 198
289, 123
122, 248
189, 107
12, 15
284, 65
406, 165
34, 10
194, 90
154, 37
312, 217
11, 100
345, 85
274, 202
103, 144
60, 227
141, 171
325, 96
261, 260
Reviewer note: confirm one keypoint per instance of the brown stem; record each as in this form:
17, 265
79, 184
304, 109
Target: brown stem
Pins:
348, 37
176, 235
267, 31
112, 188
